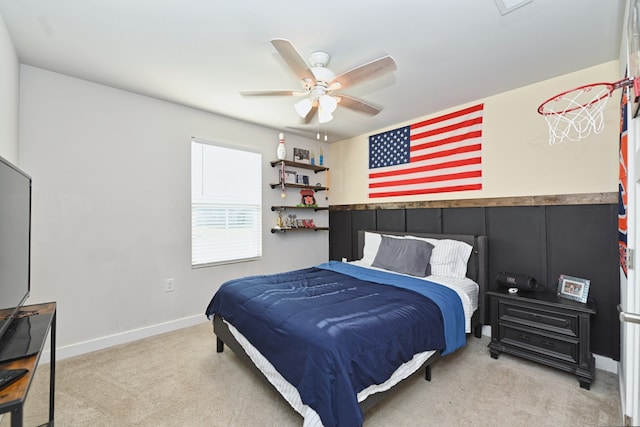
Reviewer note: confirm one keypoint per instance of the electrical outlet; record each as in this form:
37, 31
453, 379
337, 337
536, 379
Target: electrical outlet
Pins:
169, 285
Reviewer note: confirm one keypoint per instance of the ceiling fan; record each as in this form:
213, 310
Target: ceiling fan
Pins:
319, 83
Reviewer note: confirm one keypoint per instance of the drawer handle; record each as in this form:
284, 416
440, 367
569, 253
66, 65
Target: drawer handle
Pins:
547, 343
564, 322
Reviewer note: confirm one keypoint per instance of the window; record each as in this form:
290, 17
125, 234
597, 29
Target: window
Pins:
226, 204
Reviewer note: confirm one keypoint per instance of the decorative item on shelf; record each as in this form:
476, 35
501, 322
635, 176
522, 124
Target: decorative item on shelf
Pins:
302, 179
313, 158
308, 198
321, 158
305, 223
328, 185
279, 220
283, 194
281, 152
301, 155
573, 288
290, 221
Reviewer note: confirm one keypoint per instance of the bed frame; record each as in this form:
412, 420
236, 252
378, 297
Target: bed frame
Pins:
477, 270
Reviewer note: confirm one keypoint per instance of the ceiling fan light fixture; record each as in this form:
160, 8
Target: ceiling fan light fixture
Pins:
328, 103
303, 107
324, 116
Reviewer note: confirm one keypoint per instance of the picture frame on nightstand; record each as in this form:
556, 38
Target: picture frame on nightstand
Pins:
573, 288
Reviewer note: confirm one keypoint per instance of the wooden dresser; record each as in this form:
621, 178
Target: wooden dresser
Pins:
544, 328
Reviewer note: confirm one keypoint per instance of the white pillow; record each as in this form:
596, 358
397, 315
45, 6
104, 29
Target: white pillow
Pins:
449, 257
371, 244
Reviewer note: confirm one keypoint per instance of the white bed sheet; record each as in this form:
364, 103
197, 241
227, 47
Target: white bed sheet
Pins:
466, 289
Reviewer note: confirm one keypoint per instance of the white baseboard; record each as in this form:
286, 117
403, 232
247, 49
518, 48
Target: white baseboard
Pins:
120, 338
602, 362
486, 331
606, 364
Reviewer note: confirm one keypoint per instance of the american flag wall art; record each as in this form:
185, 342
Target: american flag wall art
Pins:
438, 155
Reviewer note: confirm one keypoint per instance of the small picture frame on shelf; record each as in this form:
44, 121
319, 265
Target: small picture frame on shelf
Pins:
301, 155
290, 177
573, 288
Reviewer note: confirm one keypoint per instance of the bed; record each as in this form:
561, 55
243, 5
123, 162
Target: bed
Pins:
333, 338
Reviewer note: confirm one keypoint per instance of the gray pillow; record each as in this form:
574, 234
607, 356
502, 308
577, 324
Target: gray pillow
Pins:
407, 256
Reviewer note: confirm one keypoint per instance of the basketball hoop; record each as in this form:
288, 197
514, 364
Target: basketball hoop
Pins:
576, 113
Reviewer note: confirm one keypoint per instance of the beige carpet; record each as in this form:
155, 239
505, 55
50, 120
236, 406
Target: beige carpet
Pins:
178, 379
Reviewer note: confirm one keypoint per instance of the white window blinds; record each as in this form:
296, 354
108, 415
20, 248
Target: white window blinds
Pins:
226, 204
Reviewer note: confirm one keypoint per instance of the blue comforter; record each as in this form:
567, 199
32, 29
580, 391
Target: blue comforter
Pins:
334, 329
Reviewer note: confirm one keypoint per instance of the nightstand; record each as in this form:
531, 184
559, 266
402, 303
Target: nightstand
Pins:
544, 328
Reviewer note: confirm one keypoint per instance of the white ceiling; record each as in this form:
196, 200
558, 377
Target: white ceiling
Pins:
202, 53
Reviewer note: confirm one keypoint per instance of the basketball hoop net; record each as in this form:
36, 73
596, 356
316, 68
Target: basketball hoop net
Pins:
574, 114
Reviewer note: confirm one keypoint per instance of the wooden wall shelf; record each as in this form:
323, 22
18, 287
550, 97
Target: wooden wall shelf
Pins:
315, 188
285, 186
284, 208
284, 230
314, 168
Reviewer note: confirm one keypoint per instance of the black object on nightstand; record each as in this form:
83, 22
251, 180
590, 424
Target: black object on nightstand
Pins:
544, 328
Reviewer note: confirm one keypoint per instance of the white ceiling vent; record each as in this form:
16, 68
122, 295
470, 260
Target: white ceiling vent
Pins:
507, 6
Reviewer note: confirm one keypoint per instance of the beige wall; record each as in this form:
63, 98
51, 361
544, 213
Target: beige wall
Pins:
517, 157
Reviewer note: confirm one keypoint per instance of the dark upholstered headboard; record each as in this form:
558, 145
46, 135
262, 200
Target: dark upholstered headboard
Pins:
477, 267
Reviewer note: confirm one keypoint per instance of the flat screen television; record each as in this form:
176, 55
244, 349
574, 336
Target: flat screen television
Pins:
15, 253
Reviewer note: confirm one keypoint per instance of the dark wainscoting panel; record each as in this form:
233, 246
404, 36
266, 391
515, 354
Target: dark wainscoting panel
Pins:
340, 225
583, 242
463, 220
517, 241
391, 220
541, 241
424, 220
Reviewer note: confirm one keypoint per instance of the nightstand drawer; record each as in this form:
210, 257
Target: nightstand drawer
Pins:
563, 323
562, 349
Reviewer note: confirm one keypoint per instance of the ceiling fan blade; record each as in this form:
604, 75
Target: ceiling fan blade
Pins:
293, 59
367, 71
273, 93
357, 105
